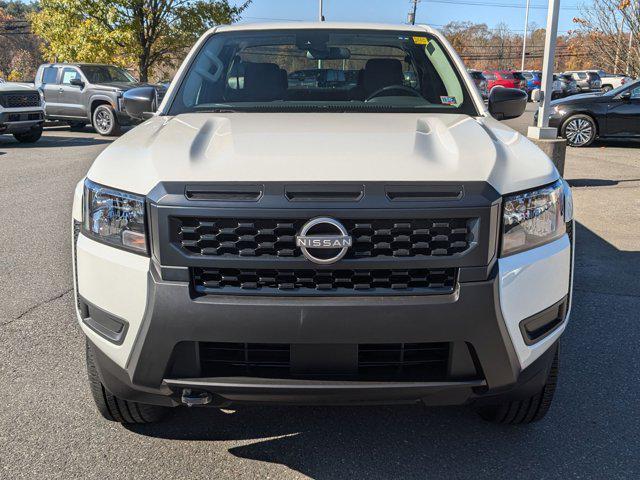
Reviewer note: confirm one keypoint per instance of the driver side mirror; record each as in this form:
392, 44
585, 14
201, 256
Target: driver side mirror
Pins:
76, 82
626, 96
140, 103
506, 103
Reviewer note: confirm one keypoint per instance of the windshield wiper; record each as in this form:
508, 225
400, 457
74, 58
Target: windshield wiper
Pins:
216, 108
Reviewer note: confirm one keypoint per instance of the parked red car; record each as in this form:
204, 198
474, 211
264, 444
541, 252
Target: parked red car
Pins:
501, 78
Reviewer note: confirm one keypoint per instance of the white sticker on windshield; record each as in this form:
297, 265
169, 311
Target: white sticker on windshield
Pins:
448, 100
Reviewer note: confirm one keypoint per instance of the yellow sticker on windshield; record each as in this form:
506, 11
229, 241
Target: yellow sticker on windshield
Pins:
420, 40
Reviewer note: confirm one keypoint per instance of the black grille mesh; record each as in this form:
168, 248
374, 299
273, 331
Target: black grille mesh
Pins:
20, 100
376, 362
215, 280
371, 238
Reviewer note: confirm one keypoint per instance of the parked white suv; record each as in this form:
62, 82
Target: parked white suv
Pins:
364, 242
21, 112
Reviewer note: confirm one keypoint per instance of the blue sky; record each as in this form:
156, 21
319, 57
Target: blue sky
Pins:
436, 12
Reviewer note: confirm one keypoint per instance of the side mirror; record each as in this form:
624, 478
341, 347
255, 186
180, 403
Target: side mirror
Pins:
626, 96
140, 103
536, 95
506, 103
76, 82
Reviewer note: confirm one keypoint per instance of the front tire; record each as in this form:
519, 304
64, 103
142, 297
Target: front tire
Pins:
31, 136
105, 121
528, 410
579, 130
607, 88
116, 409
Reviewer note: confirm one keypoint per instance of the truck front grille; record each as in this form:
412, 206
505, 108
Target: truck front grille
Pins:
309, 281
375, 362
20, 100
276, 238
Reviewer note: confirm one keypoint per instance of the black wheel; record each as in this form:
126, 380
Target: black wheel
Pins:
115, 409
529, 410
77, 126
607, 88
31, 136
105, 121
579, 130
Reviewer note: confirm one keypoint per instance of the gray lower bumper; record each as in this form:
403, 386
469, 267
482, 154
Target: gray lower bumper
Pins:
471, 316
19, 122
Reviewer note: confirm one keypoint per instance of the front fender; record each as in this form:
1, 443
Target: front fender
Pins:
102, 97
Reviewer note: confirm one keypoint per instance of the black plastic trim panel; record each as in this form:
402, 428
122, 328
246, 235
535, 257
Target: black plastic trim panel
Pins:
108, 326
543, 324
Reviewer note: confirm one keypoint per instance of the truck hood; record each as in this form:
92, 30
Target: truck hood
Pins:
263, 147
17, 87
123, 86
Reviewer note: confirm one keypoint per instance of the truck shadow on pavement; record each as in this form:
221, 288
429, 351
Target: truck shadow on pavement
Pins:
591, 430
598, 182
56, 141
615, 142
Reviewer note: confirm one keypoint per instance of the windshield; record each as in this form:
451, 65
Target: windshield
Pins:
322, 70
106, 74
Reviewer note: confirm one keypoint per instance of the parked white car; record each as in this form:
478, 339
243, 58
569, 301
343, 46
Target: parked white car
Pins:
611, 81
364, 242
21, 112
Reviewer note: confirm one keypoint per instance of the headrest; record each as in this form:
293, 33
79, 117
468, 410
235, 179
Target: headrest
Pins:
264, 81
382, 72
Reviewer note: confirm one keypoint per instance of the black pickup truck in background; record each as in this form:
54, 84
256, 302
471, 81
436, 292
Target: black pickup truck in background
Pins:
84, 93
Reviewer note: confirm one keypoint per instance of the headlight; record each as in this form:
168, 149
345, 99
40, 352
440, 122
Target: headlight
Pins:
114, 217
533, 218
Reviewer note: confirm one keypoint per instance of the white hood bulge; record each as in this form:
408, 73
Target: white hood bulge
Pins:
263, 147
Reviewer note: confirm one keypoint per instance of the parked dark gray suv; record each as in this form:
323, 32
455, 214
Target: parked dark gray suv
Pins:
84, 93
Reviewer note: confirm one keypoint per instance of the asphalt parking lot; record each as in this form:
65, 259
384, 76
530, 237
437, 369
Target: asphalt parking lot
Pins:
49, 427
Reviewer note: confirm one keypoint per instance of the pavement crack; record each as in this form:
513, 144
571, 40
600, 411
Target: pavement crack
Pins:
37, 305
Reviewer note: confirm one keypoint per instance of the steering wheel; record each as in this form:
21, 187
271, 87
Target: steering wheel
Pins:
398, 88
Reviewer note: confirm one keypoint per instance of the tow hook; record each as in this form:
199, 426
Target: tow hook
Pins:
191, 398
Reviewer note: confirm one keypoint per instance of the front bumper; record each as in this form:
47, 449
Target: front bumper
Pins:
164, 323
20, 121
555, 120
151, 330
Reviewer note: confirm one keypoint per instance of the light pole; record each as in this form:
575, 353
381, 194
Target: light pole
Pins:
634, 6
320, 15
526, 31
542, 130
412, 14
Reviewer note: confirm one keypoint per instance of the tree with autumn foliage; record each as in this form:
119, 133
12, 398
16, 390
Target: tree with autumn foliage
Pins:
610, 30
144, 34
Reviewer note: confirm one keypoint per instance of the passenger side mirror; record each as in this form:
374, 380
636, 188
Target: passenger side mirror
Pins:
536, 95
626, 96
76, 82
506, 103
140, 103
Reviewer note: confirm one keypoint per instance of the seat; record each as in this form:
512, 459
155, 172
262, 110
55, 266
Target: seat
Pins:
380, 73
263, 82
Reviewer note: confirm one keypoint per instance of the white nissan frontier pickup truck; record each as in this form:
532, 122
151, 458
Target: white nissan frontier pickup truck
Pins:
323, 213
